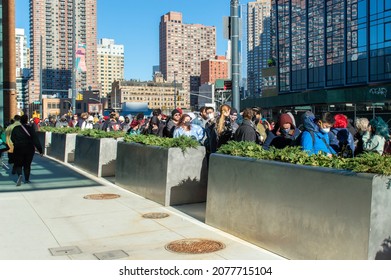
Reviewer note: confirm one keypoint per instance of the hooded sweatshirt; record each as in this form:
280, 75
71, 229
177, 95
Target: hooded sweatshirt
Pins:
313, 140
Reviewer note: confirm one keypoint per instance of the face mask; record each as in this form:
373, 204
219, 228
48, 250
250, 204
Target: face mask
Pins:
325, 130
187, 125
286, 130
211, 116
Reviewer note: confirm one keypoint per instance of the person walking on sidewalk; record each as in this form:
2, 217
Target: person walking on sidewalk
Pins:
25, 141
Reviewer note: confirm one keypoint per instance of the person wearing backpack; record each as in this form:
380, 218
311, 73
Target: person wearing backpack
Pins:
315, 139
341, 140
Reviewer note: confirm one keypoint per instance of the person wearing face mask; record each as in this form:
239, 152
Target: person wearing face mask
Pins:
186, 128
283, 134
315, 138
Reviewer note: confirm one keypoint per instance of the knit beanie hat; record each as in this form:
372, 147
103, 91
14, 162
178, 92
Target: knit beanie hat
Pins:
175, 111
284, 118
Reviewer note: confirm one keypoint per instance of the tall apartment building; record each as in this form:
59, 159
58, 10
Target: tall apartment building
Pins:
110, 64
22, 69
53, 22
258, 43
21, 51
182, 48
213, 69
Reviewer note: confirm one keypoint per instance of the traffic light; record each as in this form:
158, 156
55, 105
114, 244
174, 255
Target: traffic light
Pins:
227, 85
79, 96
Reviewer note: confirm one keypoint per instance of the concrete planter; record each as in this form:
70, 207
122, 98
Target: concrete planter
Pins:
96, 156
45, 138
63, 147
166, 176
300, 212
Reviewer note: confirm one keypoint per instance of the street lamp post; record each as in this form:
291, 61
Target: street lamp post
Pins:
70, 106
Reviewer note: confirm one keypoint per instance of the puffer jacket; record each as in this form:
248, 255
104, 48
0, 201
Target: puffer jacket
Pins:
313, 140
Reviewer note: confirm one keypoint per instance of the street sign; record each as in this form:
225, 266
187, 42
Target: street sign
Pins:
37, 102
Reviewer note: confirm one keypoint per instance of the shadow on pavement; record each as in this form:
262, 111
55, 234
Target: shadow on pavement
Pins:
45, 174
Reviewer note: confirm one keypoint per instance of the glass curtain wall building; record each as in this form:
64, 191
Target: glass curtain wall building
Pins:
1, 66
333, 43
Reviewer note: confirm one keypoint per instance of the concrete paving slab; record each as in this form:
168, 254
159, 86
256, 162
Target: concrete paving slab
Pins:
52, 213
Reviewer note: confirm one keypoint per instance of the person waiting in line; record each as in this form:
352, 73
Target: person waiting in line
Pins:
112, 124
315, 138
284, 133
233, 116
155, 125
126, 124
376, 136
25, 141
62, 122
247, 130
207, 116
361, 125
260, 123
74, 122
186, 128
172, 123
341, 140
223, 126
8, 140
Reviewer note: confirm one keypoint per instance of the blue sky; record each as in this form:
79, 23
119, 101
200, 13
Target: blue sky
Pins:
135, 24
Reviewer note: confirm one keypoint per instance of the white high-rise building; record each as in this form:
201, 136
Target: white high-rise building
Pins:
22, 68
110, 64
21, 51
258, 43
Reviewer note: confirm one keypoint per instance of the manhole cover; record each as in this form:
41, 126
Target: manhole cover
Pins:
155, 215
194, 246
101, 196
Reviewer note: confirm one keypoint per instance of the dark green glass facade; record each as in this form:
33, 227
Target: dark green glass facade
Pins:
332, 44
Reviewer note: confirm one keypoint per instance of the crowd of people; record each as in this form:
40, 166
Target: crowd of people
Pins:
328, 134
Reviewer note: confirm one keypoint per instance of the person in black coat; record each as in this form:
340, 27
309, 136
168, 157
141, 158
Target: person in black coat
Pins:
247, 130
25, 141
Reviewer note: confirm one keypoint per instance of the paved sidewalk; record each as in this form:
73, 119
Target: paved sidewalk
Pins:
50, 219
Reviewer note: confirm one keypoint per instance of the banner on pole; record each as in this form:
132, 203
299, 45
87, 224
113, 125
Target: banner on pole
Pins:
81, 57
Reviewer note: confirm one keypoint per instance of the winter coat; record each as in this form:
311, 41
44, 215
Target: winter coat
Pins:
313, 140
373, 142
196, 132
342, 141
23, 141
247, 132
280, 139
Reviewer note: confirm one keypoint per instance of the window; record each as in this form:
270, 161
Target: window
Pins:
387, 31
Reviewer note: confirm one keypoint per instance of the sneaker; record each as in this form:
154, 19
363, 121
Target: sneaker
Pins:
19, 182
27, 182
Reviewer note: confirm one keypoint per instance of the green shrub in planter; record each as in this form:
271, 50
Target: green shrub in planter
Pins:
365, 163
182, 142
95, 133
61, 130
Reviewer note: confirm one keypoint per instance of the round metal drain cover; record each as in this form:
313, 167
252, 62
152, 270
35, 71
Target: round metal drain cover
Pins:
101, 196
194, 246
155, 215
